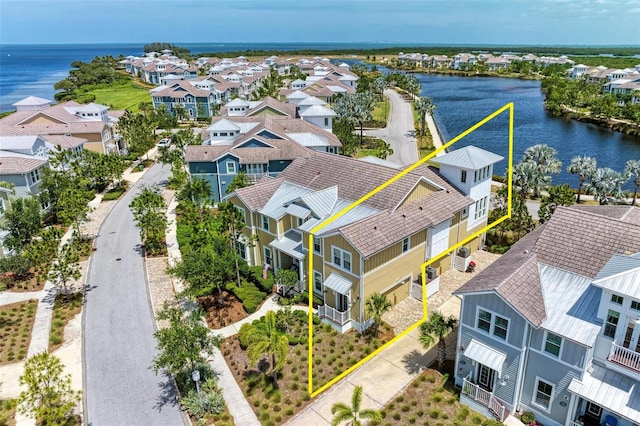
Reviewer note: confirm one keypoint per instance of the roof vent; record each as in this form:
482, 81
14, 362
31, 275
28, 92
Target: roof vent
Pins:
420, 207
375, 228
404, 215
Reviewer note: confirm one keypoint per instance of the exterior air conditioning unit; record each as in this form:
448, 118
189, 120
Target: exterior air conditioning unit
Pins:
432, 273
464, 252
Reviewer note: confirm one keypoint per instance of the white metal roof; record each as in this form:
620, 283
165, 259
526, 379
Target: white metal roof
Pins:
285, 194
338, 283
318, 111
290, 244
32, 101
571, 305
309, 139
610, 390
297, 95
337, 89
223, 124
322, 202
237, 102
312, 100
469, 157
485, 355
298, 211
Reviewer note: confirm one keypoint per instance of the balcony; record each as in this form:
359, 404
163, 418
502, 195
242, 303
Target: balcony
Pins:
254, 177
484, 398
334, 315
624, 357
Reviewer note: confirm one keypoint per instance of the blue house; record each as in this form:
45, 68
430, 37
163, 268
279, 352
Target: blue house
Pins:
553, 326
260, 146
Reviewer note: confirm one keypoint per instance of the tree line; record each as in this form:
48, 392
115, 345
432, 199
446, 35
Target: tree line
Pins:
100, 72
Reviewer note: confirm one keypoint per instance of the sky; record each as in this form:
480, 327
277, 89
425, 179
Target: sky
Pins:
513, 22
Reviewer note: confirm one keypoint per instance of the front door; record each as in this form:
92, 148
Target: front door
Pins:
593, 411
632, 336
485, 377
343, 302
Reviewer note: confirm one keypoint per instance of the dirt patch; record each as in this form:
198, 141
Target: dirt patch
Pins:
35, 282
222, 311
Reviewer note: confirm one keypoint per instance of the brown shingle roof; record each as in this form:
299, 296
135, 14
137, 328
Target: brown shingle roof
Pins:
580, 240
256, 196
18, 165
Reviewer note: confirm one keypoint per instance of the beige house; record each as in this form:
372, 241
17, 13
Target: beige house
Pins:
91, 122
379, 245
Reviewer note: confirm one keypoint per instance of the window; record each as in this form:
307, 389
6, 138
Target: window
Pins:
543, 394
463, 176
553, 344
267, 256
405, 245
500, 327
635, 305
317, 245
493, 324
243, 213
611, 323
242, 249
2, 208
231, 167
342, 258
617, 299
326, 121
481, 207
317, 282
484, 320
475, 176
265, 222
35, 176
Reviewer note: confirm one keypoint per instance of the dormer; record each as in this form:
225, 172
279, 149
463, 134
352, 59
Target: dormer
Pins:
223, 130
237, 107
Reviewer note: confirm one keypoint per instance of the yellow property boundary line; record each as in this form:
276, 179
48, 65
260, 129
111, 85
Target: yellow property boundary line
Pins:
508, 107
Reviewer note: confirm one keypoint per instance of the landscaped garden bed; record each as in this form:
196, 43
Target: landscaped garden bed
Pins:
333, 353
63, 311
8, 412
222, 310
16, 323
431, 399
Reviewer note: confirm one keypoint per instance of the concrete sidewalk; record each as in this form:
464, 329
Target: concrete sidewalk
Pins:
396, 367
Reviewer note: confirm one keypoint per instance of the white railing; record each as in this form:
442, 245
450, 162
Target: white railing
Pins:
483, 397
625, 357
253, 177
333, 314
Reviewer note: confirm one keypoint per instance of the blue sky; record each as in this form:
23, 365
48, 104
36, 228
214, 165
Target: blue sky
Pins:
537, 22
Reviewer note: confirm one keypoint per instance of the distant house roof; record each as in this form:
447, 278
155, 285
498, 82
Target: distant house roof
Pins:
32, 101
469, 157
18, 165
317, 111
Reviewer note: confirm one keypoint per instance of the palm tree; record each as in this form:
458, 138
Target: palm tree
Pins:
424, 105
379, 84
353, 414
437, 326
384, 150
632, 171
546, 160
527, 176
606, 185
180, 111
584, 167
197, 191
376, 305
264, 338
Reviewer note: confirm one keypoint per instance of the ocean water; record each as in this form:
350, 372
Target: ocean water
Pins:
32, 70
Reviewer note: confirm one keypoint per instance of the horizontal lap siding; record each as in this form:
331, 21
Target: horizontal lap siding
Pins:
491, 302
340, 242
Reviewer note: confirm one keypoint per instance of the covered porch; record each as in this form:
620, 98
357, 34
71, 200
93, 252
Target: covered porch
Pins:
288, 254
336, 310
604, 396
482, 377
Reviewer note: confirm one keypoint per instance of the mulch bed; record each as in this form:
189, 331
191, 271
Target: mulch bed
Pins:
222, 311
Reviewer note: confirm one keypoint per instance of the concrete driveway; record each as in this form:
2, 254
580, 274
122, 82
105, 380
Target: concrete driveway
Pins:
400, 132
119, 387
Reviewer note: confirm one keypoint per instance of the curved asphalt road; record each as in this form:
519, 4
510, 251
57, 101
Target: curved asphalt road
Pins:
119, 387
400, 132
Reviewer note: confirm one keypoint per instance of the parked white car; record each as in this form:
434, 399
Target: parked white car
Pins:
164, 142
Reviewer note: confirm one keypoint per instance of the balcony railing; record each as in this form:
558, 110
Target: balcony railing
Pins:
484, 397
253, 177
625, 357
333, 314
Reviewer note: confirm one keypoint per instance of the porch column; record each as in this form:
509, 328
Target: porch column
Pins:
571, 412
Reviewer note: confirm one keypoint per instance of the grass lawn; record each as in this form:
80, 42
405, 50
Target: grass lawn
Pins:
333, 353
16, 323
63, 312
8, 412
125, 95
431, 400
381, 111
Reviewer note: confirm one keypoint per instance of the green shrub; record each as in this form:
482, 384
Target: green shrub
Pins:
248, 294
492, 422
203, 404
527, 417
